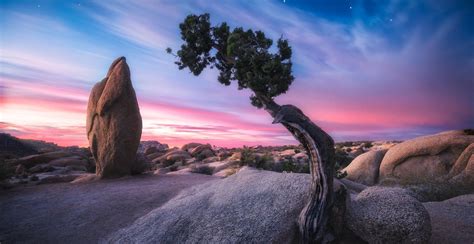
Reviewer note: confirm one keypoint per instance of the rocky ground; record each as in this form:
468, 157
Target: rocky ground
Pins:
429, 177
28, 162
137, 209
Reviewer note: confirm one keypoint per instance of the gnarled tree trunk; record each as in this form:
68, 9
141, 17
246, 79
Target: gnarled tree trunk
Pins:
313, 220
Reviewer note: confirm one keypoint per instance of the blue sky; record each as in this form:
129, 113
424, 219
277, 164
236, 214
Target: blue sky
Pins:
364, 69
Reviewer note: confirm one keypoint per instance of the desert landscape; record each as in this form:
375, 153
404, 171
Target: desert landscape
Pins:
341, 123
201, 193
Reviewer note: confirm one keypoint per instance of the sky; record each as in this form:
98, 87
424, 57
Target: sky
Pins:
364, 70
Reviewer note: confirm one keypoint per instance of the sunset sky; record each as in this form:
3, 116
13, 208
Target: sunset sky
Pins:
363, 69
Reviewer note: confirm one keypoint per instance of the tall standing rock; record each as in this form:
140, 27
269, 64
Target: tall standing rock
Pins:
114, 123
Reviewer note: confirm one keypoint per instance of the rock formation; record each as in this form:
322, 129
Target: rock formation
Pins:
425, 158
189, 146
255, 206
463, 168
173, 156
202, 151
250, 207
365, 167
114, 124
452, 220
388, 215
435, 167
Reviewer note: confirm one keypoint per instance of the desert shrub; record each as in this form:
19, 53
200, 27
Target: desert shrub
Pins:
203, 169
342, 159
262, 162
469, 131
173, 167
368, 144
5, 170
288, 166
201, 157
304, 169
345, 144
167, 163
276, 167
247, 156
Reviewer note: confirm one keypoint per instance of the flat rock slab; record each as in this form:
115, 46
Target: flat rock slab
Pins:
452, 220
252, 206
84, 213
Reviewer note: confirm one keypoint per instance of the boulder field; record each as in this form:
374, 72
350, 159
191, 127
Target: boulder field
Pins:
174, 204
249, 206
437, 166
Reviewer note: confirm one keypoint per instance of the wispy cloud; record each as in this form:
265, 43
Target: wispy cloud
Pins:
387, 69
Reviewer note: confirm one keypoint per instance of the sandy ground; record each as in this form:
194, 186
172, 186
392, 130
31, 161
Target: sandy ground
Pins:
87, 212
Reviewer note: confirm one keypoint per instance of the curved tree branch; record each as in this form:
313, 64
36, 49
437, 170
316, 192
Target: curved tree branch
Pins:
313, 220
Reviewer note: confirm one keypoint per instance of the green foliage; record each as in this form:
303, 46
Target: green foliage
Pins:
201, 157
368, 144
5, 170
249, 158
167, 163
288, 166
262, 162
239, 55
173, 167
469, 132
266, 162
342, 158
304, 169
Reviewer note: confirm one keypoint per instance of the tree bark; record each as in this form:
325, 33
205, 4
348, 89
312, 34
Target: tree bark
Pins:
313, 220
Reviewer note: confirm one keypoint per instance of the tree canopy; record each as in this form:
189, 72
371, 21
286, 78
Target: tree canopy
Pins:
240, 55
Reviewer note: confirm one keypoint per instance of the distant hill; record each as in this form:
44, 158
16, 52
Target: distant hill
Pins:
11, 146
42, 146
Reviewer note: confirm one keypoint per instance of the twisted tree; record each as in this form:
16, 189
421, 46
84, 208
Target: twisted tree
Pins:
243, 56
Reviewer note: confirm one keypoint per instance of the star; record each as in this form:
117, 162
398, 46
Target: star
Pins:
391, 20
350, 7
39, 6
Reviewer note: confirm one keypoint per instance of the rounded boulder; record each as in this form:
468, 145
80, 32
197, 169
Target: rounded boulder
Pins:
388, 215
364, 169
